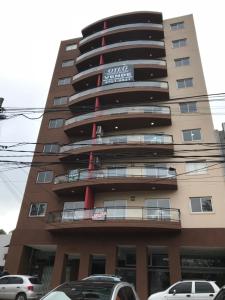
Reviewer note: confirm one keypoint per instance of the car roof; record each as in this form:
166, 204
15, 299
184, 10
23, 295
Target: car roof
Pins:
91, 283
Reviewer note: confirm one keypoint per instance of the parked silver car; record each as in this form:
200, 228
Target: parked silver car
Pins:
20, 287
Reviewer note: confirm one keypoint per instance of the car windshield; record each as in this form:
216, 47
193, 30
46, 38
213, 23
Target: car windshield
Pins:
81, 292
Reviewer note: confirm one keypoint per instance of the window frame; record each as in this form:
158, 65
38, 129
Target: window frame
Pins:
185, 82
188, 105
200, 199
197, 171
177, 26
44, 176
182, 59
38, 208
71, 47
181, 283
178, 43
192, 141
60, 98
64, 81
51, 146
54, 121
67, 63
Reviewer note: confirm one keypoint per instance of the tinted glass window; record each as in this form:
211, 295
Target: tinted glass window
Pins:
181, 288
15, 280
34, 280
203, 287
4, 280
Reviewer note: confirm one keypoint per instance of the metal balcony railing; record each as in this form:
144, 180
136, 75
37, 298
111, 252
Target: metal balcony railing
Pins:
135, 139
116, 213
120, 172
120, 111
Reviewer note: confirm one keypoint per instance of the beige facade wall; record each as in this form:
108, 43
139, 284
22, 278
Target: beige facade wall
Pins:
209, 184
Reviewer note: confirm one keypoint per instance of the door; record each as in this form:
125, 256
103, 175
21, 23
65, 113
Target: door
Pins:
203, 291
115, 209
180, 291
73, 211
157, 209
3, 287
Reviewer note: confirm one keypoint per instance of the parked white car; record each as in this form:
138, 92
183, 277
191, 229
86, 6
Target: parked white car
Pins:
193, 289
20, 287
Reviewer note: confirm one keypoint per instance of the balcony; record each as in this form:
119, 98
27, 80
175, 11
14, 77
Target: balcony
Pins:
115, 218
119, 179
155, 67
124, 32
123, 19
140, 143
156, 89
156, 47
129, 117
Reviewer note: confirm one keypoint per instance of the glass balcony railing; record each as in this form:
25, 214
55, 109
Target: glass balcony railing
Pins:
122, 172
120, 111
118, 45
134, 26
134, 139
116, 213
134, 62
131, 84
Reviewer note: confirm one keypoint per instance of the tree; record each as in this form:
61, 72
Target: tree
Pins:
2, 231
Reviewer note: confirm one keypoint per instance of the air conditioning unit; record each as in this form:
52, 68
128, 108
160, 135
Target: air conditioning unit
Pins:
99, 131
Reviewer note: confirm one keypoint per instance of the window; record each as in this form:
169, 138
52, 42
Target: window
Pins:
45, 177
184, 83
64, 81
181, 288
177, 26
180, 62
157, 209
71, 47
201, 204
73, 211
56, 123
67, 63
115, 208
196, 168
191, 135
203, 287
188, 107
51, 148
60, 100
179, 43
37, 209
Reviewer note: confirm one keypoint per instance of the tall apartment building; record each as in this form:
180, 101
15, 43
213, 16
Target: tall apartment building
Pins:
121, 181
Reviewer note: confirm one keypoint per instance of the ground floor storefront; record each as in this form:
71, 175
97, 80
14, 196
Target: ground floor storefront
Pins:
150, 260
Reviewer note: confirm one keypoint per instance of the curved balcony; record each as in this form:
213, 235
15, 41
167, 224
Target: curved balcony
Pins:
157, 89
157, 66
121, 46
121, 19
124, 32
155, 143
130, 117
138, 218
119, 179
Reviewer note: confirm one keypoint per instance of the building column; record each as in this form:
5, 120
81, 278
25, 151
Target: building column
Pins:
84, 267
58, 273
174, 263
110, 267
17, 261
142, 271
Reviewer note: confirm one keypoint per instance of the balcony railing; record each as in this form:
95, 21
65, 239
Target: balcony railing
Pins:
119, 45
134, 139
116, 213
110, 87
134, 26
119, 111
134, 62
122, 172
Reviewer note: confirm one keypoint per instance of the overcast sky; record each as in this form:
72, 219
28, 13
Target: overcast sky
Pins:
31, 31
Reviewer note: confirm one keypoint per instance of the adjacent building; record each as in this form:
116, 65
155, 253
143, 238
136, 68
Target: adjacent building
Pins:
123, 179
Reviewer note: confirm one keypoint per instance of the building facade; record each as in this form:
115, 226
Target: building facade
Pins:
123, 180
4, 246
